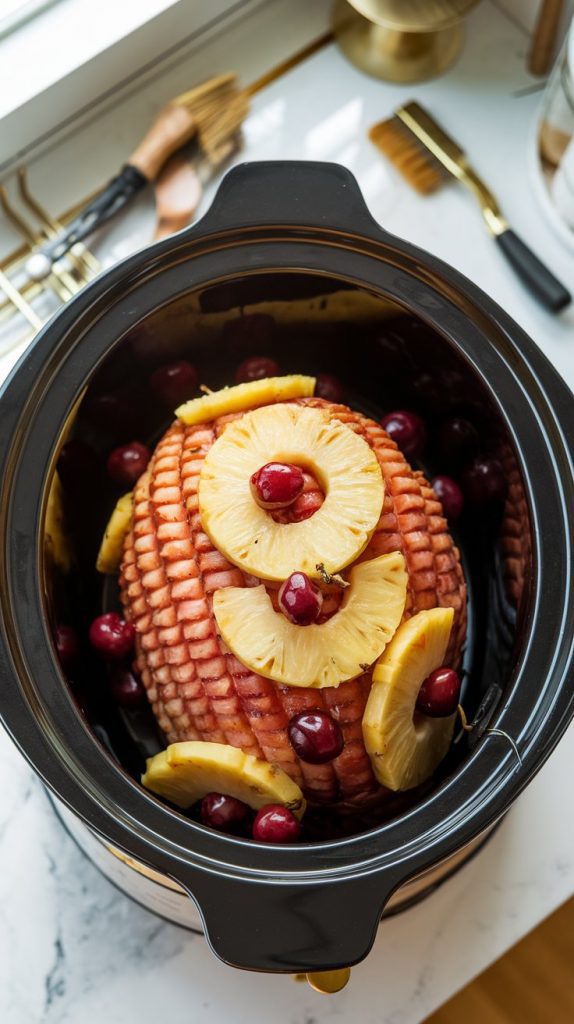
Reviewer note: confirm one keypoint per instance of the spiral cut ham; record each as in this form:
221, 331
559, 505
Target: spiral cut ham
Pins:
170, 571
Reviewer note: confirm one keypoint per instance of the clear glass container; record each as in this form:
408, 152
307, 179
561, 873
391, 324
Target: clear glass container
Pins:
557, 123
555, 143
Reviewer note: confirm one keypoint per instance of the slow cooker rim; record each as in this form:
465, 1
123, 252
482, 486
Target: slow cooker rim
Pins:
118, 273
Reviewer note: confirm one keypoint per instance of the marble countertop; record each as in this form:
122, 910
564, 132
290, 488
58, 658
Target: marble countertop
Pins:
73, 948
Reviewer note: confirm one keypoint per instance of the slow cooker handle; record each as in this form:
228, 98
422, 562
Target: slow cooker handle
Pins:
272, 925
309, 194
290, 928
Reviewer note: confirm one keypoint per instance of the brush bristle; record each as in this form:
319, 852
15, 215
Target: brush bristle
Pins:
220, 123
418, 167
218, 108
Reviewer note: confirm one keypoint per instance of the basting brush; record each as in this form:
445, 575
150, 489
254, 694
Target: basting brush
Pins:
425, 156
212, 113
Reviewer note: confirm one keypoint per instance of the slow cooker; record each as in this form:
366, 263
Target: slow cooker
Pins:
288, 262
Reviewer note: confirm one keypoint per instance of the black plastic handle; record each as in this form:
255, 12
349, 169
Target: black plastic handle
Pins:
538, 278
117, 193
301, 192
293, 928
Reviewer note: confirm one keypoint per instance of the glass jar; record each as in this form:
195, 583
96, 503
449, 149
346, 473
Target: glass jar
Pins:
556, 142
557, 123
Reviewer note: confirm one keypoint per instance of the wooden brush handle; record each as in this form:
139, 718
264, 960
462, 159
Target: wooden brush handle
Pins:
172, 129
178, 193
544, 38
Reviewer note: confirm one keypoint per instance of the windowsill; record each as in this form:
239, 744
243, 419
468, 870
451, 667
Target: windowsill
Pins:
60, 62
61, 39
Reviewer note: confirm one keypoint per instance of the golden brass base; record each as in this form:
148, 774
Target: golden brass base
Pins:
395, 54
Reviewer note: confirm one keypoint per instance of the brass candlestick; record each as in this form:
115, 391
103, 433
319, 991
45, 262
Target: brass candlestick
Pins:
401, 40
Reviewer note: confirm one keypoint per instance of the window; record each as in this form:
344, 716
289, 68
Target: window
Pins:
14, 12
76, 52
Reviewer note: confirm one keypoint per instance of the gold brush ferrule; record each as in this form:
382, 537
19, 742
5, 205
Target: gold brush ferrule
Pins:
453, 159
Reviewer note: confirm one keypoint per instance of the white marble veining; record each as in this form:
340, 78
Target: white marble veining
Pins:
72, 948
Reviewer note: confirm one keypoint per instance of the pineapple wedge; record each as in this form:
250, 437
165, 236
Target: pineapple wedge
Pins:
406, 747
319, 655
110, 553
186, 772
342, 461
245, 396
55, 538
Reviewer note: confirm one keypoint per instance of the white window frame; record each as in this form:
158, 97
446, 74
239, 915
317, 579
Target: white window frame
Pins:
10, 22
58, 72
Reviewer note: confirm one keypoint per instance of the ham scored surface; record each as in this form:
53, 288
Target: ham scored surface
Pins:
170, 570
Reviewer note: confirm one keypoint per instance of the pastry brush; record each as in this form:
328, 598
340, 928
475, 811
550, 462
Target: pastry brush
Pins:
179, 185
425, 155
212, 112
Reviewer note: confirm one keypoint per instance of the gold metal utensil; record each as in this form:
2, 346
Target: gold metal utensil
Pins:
401, 40
425, 155
328, 983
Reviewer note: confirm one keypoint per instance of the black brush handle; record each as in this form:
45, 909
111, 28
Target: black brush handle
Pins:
538, 278
114, 197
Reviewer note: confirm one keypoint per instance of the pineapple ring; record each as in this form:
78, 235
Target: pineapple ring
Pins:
242, 397
186, 772
341, 648
247, 535
405, 750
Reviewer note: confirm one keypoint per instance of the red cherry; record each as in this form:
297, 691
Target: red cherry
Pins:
175, 382
407, 430
457, 442
253, 330
450, 496
277, 485
111, 636
223, 812
127, 690
483, 482
112, 414
426, 388
440, 693
256, 368
126, 464
395, 352
276, 824
329, 388
77, 463
67, 645
300, 600
315, 737
453, 384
